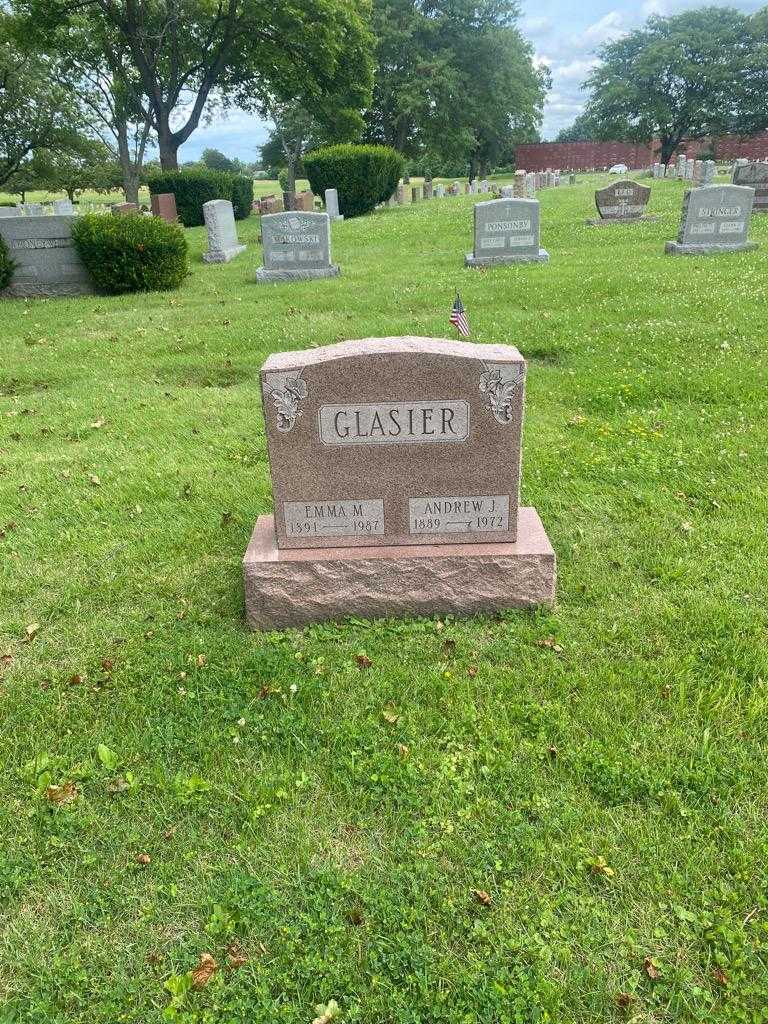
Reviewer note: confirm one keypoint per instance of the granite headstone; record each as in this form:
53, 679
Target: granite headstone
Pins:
47, 263
622, 202
297, 246
506, 231
715, 219
223, 244
756, 176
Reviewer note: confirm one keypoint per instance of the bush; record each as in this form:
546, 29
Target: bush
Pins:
362, 175
6, 202
131, 254
7, 265
242, 196
192, 189
282, 179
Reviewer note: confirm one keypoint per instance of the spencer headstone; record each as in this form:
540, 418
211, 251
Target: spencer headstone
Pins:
47, 263
395, 467
506, 231
297, 246
715, 219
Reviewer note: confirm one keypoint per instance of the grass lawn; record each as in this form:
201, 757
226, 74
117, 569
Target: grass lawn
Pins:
321, 828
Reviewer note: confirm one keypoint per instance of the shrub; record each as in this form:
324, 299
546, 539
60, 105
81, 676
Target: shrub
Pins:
7, 265
6, 202
131, 254
282, 179
242, 196
362, 175
192, 189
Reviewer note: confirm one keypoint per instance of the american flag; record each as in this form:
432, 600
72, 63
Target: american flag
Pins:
458, 317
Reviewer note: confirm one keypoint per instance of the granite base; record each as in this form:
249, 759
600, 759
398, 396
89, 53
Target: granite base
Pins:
501, 261
264, 276
287, 588
223, 255
598, 222
684, 249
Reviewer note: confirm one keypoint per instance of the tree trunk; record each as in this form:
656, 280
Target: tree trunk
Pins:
131, 186
130, 168
169, 152
70, 194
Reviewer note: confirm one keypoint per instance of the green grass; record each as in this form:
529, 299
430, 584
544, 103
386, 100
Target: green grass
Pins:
333, 820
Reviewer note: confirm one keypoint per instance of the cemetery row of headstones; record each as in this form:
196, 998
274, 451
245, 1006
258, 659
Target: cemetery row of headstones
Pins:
702, 172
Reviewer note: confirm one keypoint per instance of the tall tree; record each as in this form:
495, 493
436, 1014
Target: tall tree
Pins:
455, 77
186, 52
675, 78
215, 160
36, 111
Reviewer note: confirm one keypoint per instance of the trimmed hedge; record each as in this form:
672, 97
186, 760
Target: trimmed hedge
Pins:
242, 196
7, 265
131, 253
362, 175
195, 187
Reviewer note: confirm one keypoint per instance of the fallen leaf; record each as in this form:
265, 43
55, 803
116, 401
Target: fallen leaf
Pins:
449, 647
107, 664
63, 794
403, 750
76, 679
205, 970
201, 661
6, 660
623, 1000
7, 529
236, 955
600, 867
472, 671
482, 897
551, 644
326, 1013
32, 630
94, 480
98, 424
650, 968
118, 785
390, 717
363, 661
552, 751
143, 859
720, 976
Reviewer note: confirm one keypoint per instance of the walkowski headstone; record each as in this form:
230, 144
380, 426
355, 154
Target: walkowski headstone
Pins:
715, 219
506, 231
622, 202
755, 175
47, 263
297, 247
395, 467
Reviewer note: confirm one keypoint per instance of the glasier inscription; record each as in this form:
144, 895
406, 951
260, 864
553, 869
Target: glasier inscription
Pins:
394, 423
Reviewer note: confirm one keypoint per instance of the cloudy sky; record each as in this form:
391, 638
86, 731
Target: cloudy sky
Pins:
565, 36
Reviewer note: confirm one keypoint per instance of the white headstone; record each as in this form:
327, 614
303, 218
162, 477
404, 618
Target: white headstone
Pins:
222, 235
332, 204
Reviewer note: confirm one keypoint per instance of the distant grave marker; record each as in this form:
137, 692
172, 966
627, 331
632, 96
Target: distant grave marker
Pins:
622, 202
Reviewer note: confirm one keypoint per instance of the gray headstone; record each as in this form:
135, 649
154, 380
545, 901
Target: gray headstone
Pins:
297, 246
506, 231
9, 211
223, 245
755, 175
47, 264
332, 204
715, 219
63, 206
623, 200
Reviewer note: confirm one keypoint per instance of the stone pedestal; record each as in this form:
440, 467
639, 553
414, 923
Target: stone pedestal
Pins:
598, 222
542, 256
295, 587
685, 249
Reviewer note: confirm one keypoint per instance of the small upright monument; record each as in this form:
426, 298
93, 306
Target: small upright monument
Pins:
755, 175
621, 202
223, 246
332, 204
395, 466
506, 231
297, 247
715, 220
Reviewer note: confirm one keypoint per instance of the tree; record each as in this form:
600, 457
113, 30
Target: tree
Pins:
583, 129
36, 111
675, 78
454, 78
751, 112
183, 54
87, 164
216, 161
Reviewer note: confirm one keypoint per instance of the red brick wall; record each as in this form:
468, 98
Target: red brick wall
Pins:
586, 156
580, 156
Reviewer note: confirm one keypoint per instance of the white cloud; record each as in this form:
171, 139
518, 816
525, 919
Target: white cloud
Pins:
576, 71
609, 27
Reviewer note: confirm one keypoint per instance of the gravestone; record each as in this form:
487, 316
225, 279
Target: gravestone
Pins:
223, 246
63, 207
400, 195
670, 172
163, 205
680, 165
297, 247
508, 191
455, 189
710, 169
530, 185
9, 211
473, 186
622, 202
756, 176
428, 189
415, 194
32, 209
332, 204
689, 165
395, 466
124, 209
506, 231
304, 201
440, 191
715, 219
47, 263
